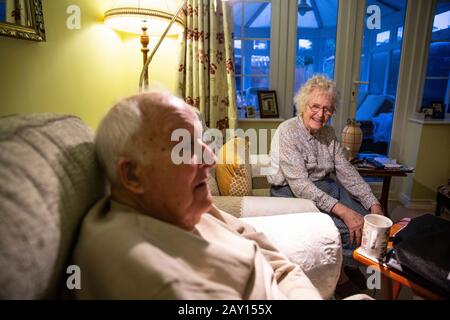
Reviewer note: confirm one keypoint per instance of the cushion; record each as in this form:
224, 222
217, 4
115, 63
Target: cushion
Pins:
233, 170
382, 127
212, 183
309, 239
50, 178
374, 105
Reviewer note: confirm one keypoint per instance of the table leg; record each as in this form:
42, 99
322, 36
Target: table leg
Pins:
385, 195
396, 286
438, 204
386, 287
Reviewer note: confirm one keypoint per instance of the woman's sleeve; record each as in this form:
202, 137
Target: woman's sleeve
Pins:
349, 177
293, 167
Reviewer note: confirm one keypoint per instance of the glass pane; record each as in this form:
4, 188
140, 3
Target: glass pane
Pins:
380, 62
393, 72
251, 51
399, 33
435, 90
439, 60
437, 86
316, 39
238, 56
441, 23
251, 87
256, 59
257, 19
378, 72
2, 11
383, 38
239, 91
237, 16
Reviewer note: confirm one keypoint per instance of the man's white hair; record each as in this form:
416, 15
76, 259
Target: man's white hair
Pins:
116, 135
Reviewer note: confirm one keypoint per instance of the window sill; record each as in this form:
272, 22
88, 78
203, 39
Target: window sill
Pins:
418, 118
261, 120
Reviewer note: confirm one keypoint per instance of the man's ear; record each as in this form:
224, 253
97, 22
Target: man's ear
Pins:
128, 175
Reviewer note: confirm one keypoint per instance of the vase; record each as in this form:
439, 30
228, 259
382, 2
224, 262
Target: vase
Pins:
351, 138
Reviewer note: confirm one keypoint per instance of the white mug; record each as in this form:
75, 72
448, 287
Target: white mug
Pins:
375, 235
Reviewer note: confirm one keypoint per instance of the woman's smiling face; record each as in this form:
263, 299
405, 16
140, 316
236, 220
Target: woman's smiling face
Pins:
318, 111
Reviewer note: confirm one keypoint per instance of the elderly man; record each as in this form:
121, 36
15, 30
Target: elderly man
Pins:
158, 236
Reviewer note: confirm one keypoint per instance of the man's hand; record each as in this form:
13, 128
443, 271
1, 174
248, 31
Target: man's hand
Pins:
376, 209
352, 219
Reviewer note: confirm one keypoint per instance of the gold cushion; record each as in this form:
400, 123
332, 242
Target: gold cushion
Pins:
233, 170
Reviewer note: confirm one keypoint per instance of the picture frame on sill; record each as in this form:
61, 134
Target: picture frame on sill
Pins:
428, 112
438, 110
250, 112
268, 104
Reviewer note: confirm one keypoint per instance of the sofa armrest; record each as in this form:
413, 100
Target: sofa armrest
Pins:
229, 204
269, 206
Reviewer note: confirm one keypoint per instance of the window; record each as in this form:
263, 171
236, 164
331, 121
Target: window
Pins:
2, 10
316, 39
438, 71
252, 20
383, 38
380, 64
399, 33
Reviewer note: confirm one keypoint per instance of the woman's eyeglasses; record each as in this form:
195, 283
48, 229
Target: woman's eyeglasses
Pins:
315, 108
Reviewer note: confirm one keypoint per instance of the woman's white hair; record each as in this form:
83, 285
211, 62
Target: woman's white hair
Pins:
116, 135
322, 84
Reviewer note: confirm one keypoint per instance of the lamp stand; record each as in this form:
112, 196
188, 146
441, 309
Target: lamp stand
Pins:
144, 42
144, 72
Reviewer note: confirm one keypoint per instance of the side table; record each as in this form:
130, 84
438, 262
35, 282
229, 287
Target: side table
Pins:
386, 174
392, 280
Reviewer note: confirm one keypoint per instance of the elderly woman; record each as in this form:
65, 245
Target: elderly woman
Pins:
310, 163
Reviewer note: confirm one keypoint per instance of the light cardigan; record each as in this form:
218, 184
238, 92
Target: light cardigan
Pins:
124, 254
298, 159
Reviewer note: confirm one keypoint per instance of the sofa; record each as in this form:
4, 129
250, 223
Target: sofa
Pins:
375, 114
50, 178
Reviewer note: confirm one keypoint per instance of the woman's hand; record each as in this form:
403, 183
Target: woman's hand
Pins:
354, 222
376, 209
352, 219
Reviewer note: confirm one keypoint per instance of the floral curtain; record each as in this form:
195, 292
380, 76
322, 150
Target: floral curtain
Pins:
206, 72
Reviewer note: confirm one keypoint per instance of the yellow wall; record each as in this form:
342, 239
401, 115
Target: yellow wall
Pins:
433, 161
81, 72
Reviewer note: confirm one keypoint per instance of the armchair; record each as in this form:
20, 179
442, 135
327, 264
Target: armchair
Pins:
51, 178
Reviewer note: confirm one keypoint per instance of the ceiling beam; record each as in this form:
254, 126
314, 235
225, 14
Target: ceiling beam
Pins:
389, 5
317, 14
256, 14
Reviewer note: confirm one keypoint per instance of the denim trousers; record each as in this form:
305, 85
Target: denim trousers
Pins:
338, 192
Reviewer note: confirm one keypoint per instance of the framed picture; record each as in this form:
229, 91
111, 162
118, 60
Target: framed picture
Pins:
438, 109
428, 112
268, 105
250, 112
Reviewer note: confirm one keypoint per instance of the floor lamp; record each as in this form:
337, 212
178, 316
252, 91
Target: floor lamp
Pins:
140, 17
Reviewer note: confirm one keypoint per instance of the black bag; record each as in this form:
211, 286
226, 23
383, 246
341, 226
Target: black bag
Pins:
423, 247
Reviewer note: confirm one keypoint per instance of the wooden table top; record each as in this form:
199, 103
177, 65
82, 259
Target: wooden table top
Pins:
384, 172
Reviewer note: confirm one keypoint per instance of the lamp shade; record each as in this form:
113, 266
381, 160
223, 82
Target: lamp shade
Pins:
132, 15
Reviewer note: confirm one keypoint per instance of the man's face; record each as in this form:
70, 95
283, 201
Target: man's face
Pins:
175, 193
318, 111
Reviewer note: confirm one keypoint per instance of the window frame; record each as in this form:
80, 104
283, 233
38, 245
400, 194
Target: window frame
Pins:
446, 98
274, 43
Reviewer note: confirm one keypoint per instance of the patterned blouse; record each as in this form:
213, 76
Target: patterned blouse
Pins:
299, 159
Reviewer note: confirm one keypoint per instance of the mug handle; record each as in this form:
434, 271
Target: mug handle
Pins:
373, 239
